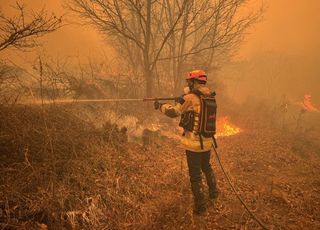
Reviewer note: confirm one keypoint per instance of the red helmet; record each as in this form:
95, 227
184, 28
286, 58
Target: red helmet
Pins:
197, 74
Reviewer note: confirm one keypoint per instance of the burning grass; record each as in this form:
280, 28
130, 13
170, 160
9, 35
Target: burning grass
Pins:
307, 104
225, 128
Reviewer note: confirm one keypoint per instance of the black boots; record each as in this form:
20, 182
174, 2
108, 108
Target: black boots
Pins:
198, 162
211, 182
199, 207
213, 194
199, 202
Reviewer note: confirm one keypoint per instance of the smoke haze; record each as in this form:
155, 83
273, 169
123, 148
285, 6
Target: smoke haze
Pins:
288, 35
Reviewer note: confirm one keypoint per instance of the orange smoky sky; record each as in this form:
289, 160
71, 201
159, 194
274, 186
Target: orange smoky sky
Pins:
288, 26
72, 40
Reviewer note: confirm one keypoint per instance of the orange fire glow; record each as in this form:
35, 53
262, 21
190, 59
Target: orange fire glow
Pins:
226, 128
307, 104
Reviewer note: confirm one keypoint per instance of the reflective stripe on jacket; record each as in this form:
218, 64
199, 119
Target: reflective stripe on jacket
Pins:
190, 140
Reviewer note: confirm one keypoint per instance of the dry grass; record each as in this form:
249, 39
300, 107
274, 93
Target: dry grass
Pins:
50, 161
60, 172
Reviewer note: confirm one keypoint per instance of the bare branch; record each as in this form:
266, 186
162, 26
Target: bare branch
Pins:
21, 32
168, 34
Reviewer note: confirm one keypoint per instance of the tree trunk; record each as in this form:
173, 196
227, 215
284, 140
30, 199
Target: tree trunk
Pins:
147, 72
180, 60
149, 82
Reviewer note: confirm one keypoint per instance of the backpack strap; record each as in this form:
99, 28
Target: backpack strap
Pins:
201, 141
198, 93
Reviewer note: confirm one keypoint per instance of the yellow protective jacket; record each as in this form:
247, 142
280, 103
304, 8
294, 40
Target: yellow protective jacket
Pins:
190, 140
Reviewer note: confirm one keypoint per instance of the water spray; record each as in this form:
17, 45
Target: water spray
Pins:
71, 101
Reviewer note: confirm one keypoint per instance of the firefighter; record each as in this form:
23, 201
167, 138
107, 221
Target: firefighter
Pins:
197, 146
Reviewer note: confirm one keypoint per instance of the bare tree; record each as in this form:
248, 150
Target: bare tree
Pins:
21, 30
177, 33
209, 31
133, 26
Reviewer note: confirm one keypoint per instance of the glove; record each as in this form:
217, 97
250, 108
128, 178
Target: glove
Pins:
180, 100
157, 105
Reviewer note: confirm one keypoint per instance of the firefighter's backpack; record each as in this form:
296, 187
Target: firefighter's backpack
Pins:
207, 116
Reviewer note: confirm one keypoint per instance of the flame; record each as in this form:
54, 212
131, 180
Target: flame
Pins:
226, 128
307, 104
